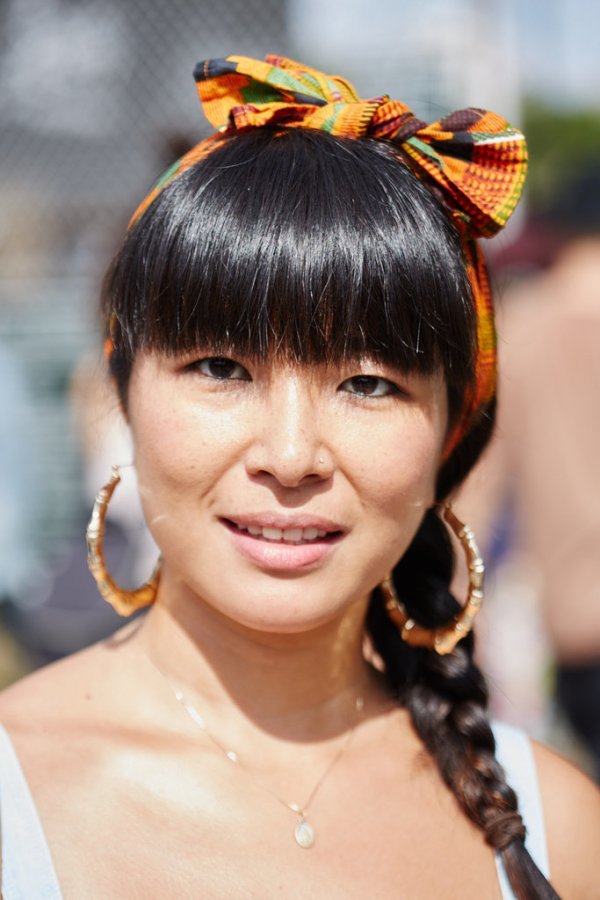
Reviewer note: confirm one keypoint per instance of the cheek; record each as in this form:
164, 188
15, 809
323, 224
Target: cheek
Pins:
395, 485
401, 466
173, 436
397, 488
400, 500
405, 488
180, 453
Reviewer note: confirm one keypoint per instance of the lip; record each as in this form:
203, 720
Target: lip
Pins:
279, 555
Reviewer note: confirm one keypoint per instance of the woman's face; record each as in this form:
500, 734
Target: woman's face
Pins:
281, 494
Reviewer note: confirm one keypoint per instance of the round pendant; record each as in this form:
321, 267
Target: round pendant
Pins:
304, 834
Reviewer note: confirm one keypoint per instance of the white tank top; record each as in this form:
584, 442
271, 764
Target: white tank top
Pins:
27, 868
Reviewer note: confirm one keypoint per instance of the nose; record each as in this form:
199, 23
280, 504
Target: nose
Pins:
288, 444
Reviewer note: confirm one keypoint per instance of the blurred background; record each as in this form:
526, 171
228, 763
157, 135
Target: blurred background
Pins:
97, 99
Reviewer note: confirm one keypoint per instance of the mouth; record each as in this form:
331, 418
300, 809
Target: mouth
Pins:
289, 534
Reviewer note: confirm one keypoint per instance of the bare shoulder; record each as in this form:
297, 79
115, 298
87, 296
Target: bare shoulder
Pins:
571, 803
34, 701
58, 694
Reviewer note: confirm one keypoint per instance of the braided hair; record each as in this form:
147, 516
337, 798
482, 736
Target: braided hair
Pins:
267, 246
446, 696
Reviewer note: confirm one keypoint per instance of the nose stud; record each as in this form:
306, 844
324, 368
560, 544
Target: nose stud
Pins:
321, 460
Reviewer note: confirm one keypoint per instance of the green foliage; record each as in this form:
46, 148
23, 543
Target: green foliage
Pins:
562, 143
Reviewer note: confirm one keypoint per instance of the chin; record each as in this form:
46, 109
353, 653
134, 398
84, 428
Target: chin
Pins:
288, 609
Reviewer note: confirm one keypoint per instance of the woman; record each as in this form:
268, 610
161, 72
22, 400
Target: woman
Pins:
299, 332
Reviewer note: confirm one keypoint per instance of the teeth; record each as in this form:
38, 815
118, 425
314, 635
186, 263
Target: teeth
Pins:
291, 535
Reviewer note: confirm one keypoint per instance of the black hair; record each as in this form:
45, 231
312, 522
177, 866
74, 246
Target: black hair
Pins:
302, 245
316, 248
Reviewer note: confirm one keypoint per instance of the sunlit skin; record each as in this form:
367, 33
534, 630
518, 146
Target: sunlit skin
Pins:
266, 640
351, 450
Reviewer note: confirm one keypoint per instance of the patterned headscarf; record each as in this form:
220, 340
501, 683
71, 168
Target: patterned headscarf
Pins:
475, 159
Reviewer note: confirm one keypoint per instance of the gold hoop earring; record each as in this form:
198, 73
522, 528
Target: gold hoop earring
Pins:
123, 601
443, 640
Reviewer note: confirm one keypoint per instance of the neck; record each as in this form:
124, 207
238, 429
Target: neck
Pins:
293, 686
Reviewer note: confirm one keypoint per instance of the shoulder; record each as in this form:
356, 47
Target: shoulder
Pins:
571, 804
69, 723
46, 688
53, 699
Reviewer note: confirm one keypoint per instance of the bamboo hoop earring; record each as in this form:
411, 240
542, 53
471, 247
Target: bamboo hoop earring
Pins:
123, 601
442, 640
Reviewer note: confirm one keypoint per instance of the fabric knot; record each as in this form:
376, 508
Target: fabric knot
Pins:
475, 156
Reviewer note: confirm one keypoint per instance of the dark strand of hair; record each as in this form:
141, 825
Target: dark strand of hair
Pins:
299, 245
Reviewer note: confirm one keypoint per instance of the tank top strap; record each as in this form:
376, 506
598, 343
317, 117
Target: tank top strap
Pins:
515, 754
27, 868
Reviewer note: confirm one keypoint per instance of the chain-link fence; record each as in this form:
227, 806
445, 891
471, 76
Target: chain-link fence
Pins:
97, 98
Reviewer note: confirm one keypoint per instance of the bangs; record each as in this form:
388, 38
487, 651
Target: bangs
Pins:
299, 245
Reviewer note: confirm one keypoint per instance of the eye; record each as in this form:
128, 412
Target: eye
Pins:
369, 386
222, 369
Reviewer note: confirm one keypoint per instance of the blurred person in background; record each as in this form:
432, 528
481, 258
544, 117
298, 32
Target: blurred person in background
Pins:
536, 490
299, 329
18, 478
59, 610
19, 507
53, 607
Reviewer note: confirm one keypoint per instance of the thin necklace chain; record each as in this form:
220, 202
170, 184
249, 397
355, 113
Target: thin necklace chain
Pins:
304, 832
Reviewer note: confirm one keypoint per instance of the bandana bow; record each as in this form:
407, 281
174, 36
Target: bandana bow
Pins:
474, 158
